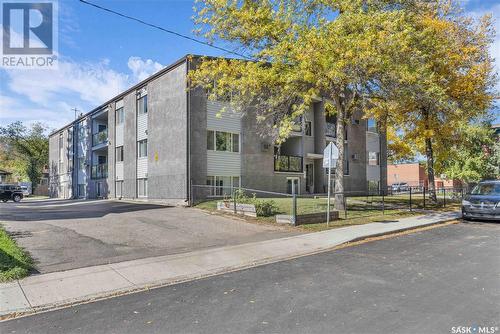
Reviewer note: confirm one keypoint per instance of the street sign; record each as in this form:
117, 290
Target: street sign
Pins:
330, 156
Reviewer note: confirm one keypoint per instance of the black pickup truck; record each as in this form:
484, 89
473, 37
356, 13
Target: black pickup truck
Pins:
10, 192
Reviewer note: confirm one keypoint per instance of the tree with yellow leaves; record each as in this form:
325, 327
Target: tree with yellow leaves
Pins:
445, 82
299, 51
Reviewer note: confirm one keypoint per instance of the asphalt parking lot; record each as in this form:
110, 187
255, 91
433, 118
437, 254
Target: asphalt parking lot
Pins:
62, 235
433, 281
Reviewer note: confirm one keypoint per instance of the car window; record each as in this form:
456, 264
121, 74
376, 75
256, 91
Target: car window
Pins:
487, 189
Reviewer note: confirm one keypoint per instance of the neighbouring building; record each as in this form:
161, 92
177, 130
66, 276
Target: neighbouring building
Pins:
157, 139
5, 176
414, 175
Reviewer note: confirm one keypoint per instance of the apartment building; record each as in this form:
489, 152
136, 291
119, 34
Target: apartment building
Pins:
156, 139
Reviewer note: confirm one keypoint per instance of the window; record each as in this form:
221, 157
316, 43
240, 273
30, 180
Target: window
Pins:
142, 187
222, 185
142, 148
210, 140
119, 154
223, 141
118, 189
308, 128
119, 116
373, 158
60, 141
236, 143
371, 125
142, 105
81, 190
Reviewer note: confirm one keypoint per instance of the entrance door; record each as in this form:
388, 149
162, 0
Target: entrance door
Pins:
310, 178
292, 182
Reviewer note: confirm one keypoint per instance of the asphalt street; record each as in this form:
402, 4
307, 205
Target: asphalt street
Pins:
426, 282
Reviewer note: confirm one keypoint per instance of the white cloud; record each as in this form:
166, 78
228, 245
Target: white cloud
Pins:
49, 95
141, 69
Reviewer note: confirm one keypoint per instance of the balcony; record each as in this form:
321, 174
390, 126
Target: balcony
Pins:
287, 163
100, 138
100, 171
330, 129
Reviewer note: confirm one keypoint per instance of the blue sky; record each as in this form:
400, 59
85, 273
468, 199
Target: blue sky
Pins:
101, 54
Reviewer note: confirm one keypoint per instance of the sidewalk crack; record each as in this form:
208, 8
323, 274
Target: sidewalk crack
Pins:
116, 271
24, 294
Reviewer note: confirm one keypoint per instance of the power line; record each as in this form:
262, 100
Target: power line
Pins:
163, 29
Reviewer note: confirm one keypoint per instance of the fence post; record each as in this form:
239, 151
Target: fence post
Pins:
444, 197
410, 198
424, 197
234, 202
383, 204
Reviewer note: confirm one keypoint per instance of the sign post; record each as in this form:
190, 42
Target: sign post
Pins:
330, 157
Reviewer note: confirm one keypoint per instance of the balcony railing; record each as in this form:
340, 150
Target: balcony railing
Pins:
100, 137
287, 163
100, 171
330, 129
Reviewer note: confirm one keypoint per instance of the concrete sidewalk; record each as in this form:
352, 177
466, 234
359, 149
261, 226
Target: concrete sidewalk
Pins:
58, 289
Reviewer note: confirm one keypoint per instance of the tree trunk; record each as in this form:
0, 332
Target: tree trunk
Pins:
429, 153
339, 169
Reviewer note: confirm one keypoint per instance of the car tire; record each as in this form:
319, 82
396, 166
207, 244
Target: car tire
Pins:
4, 200
16, 198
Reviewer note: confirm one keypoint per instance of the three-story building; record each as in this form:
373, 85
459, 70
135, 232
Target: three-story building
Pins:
158, 138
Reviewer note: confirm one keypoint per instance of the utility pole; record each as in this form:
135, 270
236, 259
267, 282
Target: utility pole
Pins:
75, 110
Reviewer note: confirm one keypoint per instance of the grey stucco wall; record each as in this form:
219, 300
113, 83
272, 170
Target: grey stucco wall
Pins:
129, 146
111, 151
167, 135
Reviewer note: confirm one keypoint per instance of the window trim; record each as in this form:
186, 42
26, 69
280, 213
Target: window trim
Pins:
139, 156
231, 141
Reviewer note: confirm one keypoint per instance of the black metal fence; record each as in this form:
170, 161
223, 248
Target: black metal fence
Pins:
349, 204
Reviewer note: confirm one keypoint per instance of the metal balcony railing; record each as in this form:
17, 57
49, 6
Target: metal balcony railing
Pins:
100, 171
287, 163
100, 137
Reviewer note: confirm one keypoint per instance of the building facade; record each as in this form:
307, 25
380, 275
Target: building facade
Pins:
157, 139
414, 175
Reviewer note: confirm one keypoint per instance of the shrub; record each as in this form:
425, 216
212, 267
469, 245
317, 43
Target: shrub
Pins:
265, 208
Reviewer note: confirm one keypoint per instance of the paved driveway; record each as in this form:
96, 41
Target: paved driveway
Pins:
62, 235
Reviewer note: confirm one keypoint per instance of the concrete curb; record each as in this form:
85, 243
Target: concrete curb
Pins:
62, 289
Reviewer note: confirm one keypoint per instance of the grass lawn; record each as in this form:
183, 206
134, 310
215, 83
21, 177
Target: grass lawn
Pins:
14, 262
360, 209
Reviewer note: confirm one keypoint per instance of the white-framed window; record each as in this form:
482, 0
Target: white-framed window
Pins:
120, 116
222, 185
308, 128
142, 148
373, 158
118, 189
119, 154
142, 187
223, 141
142, 105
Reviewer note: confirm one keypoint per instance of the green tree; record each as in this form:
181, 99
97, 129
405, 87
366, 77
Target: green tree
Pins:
300, 51
29, 146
